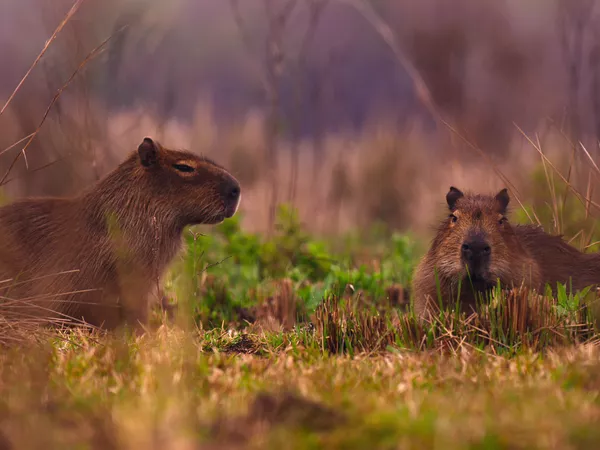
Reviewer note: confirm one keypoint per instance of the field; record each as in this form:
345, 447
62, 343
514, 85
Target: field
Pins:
220, 390
302, 335
289, 341
292, 325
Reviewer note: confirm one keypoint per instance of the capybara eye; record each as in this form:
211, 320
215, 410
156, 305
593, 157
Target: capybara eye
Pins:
501, 221
183, 167
453, 218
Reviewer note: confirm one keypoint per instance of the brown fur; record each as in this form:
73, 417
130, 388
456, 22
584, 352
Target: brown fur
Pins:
518, 255
116, 239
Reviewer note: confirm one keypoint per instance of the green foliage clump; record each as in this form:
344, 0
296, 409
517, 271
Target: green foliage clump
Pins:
230, 269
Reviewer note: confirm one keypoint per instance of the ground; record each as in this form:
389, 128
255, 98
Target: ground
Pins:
178, 389
294, 342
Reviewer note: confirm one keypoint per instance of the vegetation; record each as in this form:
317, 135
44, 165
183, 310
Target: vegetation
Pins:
288, 341
217, 389
245, 269
301, 334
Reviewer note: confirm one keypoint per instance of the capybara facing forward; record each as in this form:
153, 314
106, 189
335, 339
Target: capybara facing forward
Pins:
97, 256
476, 246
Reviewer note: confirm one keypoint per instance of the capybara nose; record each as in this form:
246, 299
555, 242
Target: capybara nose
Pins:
476, 249
234, 192
231, 191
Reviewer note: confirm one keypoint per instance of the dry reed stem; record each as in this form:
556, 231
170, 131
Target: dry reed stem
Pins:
58, 29
15, 144
90, 56
18, 320
423, 93
565, 180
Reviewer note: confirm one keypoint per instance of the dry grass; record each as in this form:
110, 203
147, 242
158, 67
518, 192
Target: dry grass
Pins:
176, 390
396, 176
509, 323
383, 173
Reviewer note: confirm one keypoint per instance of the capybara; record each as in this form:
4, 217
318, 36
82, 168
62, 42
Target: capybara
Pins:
97, 257
476, 246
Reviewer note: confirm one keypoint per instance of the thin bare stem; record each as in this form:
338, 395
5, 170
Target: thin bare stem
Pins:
37, 169
93, 54
592, 244
565, 180
16, 143
551, 185
62, 24
589, 157
422, 91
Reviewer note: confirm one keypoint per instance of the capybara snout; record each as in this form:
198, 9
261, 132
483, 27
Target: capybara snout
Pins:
476, 254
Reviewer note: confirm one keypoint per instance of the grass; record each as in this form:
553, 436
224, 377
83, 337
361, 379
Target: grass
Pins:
207, 389
287, 341
296, 339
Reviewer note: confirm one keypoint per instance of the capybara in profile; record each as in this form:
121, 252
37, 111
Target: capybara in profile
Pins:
476, 246
97, 257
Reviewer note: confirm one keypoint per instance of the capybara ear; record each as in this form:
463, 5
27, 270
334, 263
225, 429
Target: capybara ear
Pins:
452, 197
502, 199
148, 151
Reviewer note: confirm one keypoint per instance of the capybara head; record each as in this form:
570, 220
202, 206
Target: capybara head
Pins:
193, 189
475, 241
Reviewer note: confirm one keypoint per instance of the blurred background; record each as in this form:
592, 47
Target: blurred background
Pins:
355, 112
